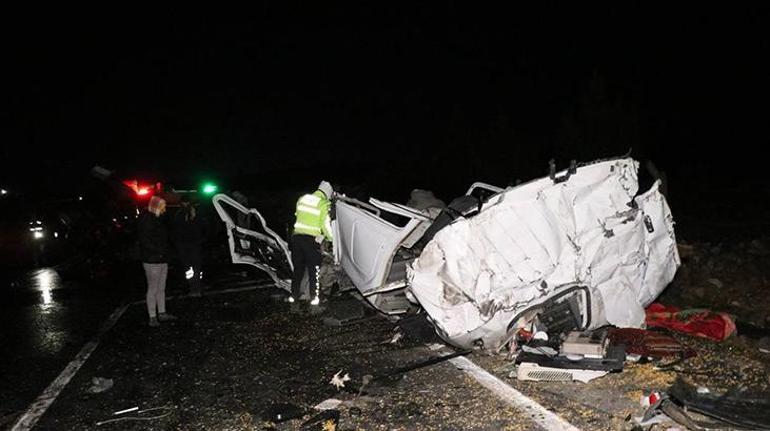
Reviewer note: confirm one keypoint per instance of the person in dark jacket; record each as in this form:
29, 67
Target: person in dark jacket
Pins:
188, 235
153, 249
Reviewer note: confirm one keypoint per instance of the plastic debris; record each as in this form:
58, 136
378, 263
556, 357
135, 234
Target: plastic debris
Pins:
535, 372
651, 399
100, 384
338, 381
328, 404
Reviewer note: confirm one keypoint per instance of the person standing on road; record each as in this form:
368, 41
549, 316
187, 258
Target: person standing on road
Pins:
312, 226
153, 249
188, 236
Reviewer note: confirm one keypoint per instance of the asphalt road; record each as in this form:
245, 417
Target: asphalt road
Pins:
232, 359
45, 321
46, 316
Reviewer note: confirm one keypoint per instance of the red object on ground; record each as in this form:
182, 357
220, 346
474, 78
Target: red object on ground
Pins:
648, 343
698, 321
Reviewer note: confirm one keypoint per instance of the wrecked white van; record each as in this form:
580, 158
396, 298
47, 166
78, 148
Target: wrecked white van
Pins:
578, 249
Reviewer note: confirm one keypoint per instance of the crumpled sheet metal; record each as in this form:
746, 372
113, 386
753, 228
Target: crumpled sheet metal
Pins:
476, 274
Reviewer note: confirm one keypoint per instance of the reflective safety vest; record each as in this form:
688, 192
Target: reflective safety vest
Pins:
312, 215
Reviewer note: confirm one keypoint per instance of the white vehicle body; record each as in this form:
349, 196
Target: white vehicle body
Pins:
478, 277
367, 247
580, 245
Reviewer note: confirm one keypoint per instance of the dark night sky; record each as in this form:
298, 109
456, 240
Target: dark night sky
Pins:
426, 95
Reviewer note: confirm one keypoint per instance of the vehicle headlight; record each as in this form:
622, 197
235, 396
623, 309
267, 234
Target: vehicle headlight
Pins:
38, 234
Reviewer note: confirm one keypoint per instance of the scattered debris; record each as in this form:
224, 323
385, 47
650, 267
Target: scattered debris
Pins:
591, 344
738, 406
163, 410
327, 420
328, 404
120, 412
698, 322
100, 384
535, 372
338, 381
396, 337
647, 343
582, 356
651, 399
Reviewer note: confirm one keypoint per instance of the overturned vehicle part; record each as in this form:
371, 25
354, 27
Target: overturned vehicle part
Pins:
577, 250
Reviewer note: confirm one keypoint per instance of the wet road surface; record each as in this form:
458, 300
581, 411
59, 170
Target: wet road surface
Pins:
46, 316
45, 321
230, 358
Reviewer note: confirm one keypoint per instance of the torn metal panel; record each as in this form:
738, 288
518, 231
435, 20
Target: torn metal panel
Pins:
252, 242
369, 248
528, 242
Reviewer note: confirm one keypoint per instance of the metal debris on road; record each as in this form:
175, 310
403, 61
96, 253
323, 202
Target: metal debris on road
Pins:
167, 410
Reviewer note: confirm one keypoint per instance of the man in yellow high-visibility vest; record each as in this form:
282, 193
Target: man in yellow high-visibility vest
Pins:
312, 226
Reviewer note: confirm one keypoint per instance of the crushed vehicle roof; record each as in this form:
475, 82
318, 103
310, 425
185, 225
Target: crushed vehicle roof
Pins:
479, 275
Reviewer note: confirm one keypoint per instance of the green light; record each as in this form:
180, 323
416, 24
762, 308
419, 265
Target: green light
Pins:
209, 188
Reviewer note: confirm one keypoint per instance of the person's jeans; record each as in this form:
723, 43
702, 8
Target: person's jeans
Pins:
156, 287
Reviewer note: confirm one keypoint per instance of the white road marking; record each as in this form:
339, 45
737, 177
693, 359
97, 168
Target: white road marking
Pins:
536, 412
41, 404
